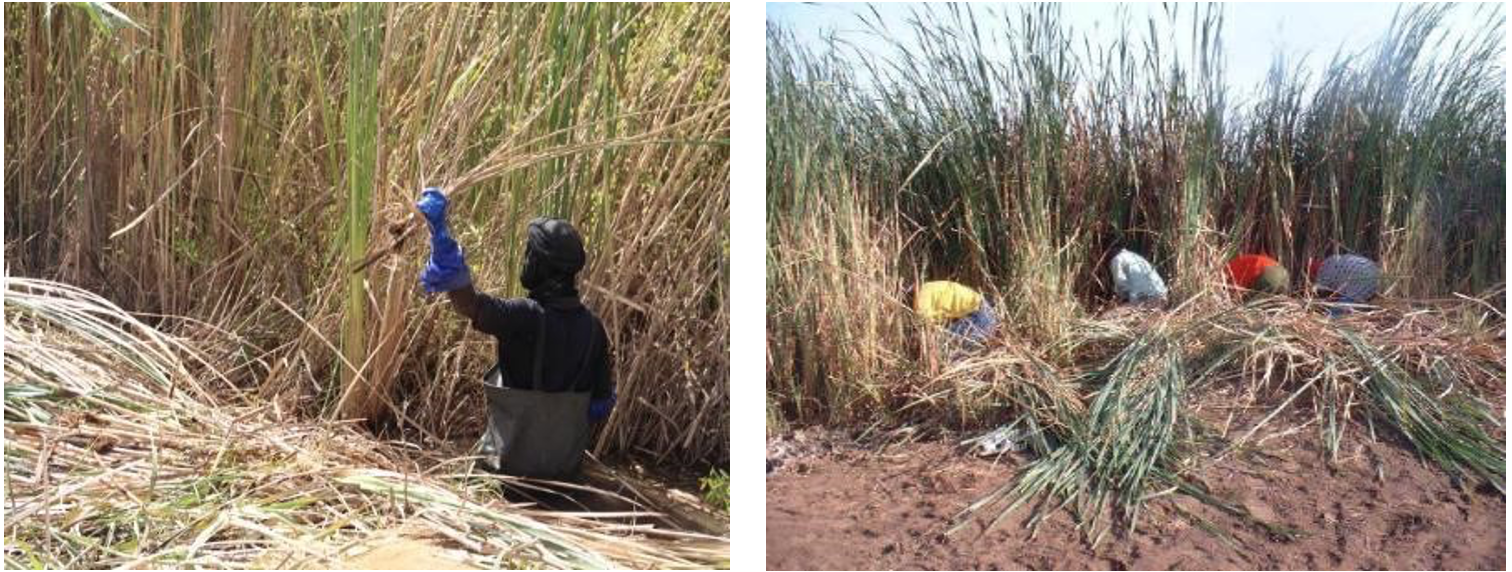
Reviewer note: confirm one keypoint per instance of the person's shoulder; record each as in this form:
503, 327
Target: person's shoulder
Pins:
595, 324
512, 307
1131, 260
1357, 259
950, 285
946, 287
1253, 260
1350, 261
592, 315
503, 316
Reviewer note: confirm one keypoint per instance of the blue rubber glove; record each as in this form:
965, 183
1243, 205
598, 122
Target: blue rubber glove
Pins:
599, 409
446, 270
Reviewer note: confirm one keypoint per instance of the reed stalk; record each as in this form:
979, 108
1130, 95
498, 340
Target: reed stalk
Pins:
361, 115
998, 148
232, 166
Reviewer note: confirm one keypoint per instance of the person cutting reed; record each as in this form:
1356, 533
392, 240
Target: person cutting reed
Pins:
1345, 278
1136, 281
962, 311
553, 375
1258, 273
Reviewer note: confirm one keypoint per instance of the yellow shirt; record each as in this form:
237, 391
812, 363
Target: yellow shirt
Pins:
942, 301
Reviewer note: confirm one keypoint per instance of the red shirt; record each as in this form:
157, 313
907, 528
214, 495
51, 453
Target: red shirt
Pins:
1244, 269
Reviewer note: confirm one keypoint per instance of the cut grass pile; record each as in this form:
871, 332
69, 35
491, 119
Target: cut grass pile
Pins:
1156, 387
126, 448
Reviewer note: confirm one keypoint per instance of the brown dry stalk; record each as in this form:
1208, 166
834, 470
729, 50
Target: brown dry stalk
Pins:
234, 484
191, 169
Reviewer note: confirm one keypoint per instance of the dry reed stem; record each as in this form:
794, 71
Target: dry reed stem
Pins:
94, 440
185, 196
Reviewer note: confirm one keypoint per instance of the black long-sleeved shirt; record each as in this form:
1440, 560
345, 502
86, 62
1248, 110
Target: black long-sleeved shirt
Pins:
514, 323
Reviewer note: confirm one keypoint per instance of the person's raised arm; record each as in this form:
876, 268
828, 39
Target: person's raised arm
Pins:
446, 270
465, 302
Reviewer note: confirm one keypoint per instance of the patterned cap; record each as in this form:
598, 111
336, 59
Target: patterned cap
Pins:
1353, 278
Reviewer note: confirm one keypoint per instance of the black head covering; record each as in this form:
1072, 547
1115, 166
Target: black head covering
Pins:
553, 256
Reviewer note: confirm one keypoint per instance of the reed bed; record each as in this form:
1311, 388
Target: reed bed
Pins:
246, 174
125, 448
998, 148
1018, 157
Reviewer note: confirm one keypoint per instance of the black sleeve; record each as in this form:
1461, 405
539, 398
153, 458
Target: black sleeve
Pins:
603, 380
503, 318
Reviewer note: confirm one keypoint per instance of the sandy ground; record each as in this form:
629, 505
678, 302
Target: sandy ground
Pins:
836, 507
406, 552
403, 548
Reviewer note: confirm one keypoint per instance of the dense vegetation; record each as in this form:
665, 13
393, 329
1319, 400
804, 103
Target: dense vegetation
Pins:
1021, 175
211, 205
231, 164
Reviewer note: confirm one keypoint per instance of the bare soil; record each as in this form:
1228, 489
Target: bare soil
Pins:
832, 506
401, 548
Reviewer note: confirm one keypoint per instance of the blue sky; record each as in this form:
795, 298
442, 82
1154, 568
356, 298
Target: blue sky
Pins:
1253, 33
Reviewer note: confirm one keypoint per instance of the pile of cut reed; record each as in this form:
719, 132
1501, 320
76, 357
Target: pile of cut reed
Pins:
1432, 375
126, 448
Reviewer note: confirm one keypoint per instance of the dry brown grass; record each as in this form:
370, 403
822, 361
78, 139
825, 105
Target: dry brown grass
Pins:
219, 167
1153, 395
120, 454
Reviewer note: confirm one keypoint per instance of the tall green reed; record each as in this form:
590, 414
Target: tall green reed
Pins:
365, 38
1002, 149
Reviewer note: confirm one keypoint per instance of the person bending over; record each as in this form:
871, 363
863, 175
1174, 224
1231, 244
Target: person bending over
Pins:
1345, 278
1258, 274
1136, 281
963, 312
